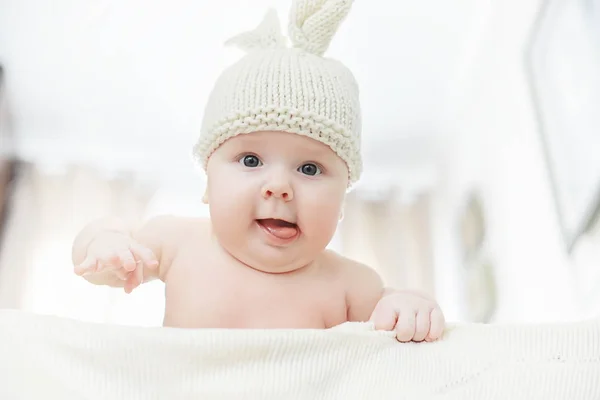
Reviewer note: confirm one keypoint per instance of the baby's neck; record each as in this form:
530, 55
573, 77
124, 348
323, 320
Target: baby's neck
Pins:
282, 270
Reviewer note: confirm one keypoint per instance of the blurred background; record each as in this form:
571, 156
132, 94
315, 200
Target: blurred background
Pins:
481, 142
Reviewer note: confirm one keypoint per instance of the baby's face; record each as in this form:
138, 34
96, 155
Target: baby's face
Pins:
275, 198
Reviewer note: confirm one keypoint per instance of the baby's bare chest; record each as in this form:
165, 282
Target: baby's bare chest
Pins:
217, 294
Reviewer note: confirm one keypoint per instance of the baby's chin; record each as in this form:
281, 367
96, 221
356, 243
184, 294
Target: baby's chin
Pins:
275, 260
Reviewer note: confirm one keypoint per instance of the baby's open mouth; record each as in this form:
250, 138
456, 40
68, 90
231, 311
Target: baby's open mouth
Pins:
279, 228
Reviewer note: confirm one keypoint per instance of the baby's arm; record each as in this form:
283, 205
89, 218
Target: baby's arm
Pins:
364, 289
112, 241
413, 315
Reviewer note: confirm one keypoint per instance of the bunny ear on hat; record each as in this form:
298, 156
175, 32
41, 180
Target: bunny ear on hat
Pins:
313, 23
266, 35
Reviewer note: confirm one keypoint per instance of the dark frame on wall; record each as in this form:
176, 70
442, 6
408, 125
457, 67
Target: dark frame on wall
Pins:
564, 107
8, 165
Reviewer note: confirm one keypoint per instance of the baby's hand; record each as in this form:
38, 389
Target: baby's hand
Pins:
117, 255
413, 316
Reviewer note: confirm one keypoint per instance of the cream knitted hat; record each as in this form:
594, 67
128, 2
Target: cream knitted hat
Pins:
294, 89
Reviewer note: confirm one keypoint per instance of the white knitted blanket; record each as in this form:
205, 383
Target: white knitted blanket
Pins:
45, 357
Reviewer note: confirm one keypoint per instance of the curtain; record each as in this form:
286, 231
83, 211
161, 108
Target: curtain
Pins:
47, 211
392, 235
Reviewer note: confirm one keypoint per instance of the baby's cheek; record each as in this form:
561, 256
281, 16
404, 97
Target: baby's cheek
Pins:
230, 218
321, 219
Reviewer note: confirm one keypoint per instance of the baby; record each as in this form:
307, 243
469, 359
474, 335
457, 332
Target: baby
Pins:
280, 144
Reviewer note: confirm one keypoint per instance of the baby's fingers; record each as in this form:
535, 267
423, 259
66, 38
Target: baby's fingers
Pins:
423, 324
110, 264
127, 260
134, 278
405, 327
110, 260
88, 266
384, 317
131, 282
438, 323
145, 255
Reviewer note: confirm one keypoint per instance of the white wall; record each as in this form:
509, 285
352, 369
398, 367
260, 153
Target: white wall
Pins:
492, 143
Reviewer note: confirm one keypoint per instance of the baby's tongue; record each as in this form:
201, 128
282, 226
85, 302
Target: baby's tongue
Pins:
279, 228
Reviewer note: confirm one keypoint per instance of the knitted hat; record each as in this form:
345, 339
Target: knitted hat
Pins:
293, 89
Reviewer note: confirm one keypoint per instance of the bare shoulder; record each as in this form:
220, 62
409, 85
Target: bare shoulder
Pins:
352, 271
166, 234
363, 285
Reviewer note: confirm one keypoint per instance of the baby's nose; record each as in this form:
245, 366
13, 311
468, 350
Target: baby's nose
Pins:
278, 189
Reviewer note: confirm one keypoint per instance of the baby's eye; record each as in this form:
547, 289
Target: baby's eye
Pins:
310, 169
250, 161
